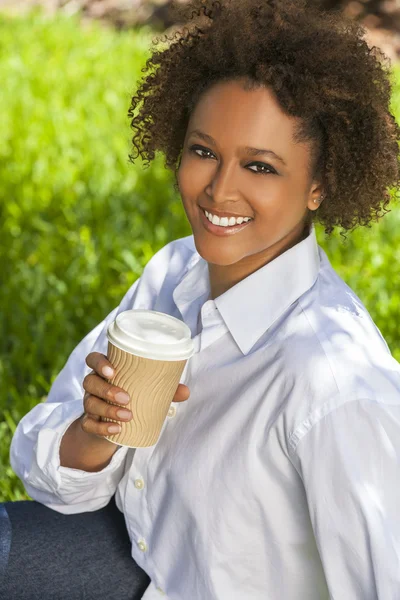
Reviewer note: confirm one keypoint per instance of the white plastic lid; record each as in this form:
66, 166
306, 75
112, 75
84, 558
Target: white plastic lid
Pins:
151, 334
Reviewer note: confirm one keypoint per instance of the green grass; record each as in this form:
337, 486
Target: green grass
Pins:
78, 222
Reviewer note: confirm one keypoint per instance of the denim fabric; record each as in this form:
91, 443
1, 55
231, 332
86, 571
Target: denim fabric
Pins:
45, 555
5, 542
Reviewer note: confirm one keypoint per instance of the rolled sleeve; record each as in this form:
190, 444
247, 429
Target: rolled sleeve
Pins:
350, 465
35, 446
65, 489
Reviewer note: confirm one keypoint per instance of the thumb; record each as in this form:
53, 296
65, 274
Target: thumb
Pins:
182, 393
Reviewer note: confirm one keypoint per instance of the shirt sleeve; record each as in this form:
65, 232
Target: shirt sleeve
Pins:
349, 462
35, 446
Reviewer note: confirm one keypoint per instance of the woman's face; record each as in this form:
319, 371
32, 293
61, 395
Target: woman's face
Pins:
217, 173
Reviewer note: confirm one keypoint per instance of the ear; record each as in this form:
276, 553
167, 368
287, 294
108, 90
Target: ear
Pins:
314, 198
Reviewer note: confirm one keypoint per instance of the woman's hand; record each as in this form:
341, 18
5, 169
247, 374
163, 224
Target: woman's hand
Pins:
98, 390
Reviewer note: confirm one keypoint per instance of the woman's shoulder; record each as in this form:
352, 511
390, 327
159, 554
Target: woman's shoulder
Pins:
173, 257
181, 248
339, 359
339, 316
166, 266
339, 350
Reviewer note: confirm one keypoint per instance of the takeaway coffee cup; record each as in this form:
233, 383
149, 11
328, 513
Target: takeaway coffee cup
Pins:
149, 351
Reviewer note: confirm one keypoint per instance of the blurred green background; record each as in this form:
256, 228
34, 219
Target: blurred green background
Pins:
78, 221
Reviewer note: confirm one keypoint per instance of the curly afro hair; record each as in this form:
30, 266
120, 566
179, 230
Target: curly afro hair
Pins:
320, 69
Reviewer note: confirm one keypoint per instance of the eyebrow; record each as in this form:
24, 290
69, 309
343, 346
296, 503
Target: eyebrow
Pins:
248, 149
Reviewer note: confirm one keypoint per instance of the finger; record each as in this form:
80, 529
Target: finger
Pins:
97, 386
96, 406
88, 414
100, 364
94, 417
182, 393
99, 428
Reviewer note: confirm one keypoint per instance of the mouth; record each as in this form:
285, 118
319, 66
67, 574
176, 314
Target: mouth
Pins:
219, 230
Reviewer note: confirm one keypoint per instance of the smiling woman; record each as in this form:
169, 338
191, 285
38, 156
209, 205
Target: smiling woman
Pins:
279, 476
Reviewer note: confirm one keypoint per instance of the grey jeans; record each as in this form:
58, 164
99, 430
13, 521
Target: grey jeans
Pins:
46, 555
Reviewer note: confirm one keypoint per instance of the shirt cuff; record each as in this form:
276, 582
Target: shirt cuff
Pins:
47, 450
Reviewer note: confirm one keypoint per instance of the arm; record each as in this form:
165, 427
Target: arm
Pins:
81, 450
349, 462
35, 446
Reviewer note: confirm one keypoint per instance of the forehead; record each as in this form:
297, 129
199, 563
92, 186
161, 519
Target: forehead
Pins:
236, 116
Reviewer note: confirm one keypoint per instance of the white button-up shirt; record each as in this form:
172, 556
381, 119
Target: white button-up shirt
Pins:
279, 478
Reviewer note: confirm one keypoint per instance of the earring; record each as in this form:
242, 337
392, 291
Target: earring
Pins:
319, 199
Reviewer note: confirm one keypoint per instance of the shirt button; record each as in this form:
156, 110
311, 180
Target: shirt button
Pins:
172, 411
139, 484
142, 546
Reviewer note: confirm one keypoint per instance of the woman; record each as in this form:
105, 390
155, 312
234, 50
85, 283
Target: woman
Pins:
279, 477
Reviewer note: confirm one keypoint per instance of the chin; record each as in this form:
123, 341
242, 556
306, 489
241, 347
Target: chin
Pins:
217, 254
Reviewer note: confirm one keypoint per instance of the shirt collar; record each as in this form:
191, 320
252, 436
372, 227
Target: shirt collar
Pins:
251, 306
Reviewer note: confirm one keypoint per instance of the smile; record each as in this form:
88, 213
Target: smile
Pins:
226, 221
222, 230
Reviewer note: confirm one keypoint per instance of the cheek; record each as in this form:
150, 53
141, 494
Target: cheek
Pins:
189, 189
267, 200
193, 175
190, 178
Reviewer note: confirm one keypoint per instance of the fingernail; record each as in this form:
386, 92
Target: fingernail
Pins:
114, 429
122, 398
107, 371
124, 414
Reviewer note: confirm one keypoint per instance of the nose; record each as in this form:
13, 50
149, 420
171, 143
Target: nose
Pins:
223, 184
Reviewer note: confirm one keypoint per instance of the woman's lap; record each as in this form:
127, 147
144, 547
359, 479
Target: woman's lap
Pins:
50, 556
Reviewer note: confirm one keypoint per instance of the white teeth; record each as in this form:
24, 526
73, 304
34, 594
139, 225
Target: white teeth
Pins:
225, 221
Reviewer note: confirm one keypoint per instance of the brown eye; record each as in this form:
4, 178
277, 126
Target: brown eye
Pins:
265, 166
195, 149
270, 170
